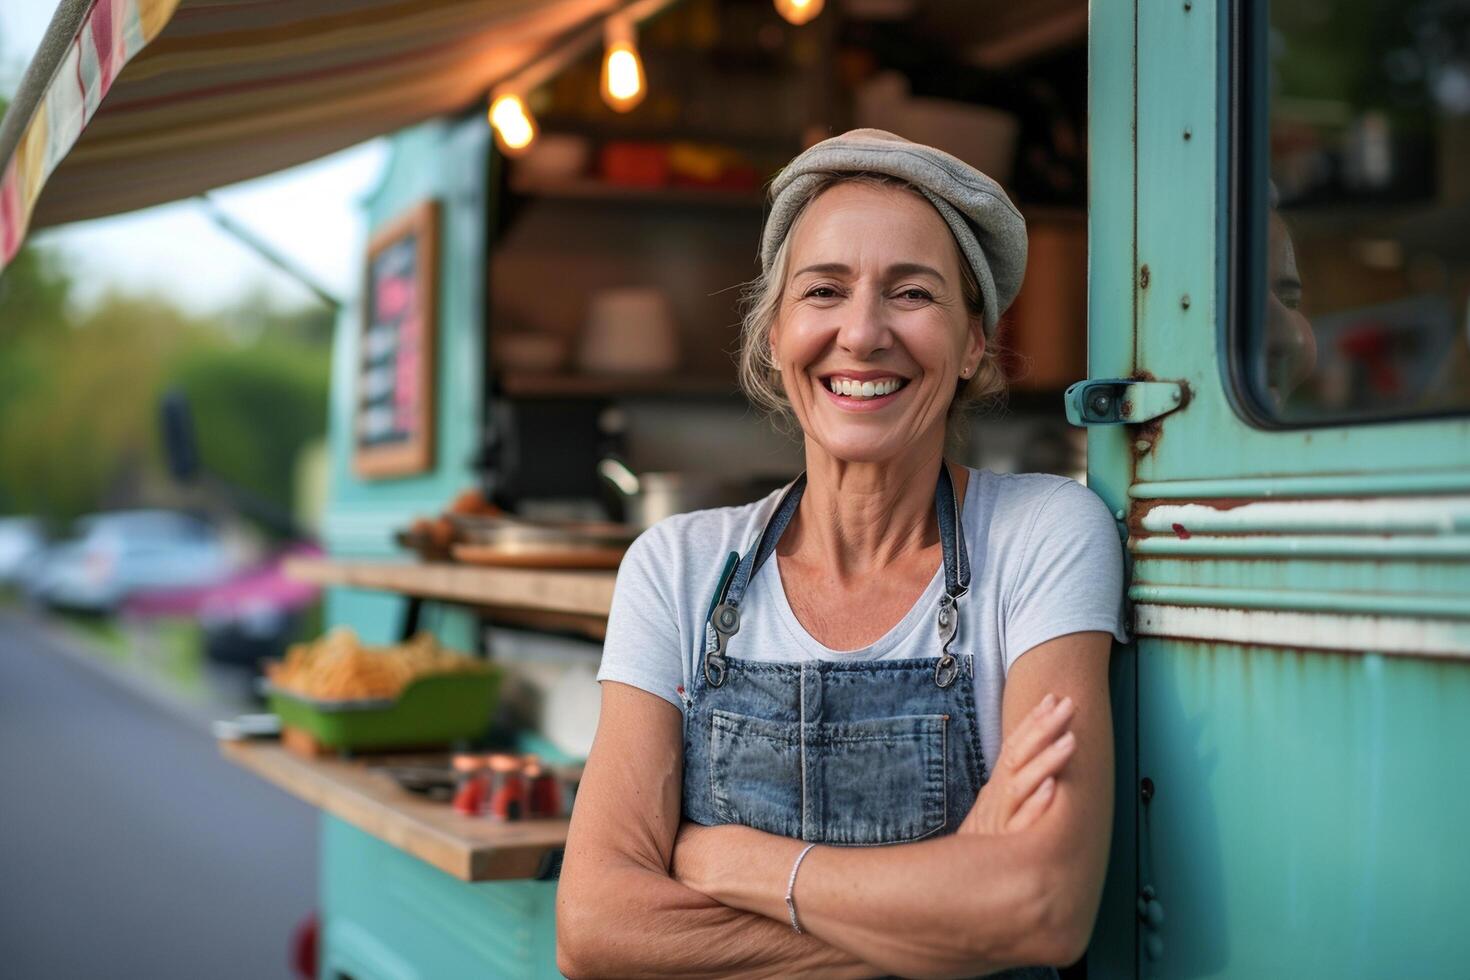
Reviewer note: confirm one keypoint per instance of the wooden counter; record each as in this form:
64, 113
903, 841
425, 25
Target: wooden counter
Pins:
469, 848
538, 598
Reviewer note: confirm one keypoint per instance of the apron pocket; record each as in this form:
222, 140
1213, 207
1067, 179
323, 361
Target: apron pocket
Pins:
875, 781
881, 780
755, 772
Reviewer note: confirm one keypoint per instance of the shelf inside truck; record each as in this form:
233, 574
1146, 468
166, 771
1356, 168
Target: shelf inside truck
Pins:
582, 593
469, 848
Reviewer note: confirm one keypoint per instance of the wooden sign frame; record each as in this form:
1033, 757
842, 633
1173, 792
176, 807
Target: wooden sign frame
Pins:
415, 452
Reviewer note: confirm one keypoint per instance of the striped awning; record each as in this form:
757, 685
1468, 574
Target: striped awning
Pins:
131, 103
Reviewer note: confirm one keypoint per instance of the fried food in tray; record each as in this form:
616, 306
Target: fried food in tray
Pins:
339, 667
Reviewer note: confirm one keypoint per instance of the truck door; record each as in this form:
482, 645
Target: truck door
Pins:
1280, 264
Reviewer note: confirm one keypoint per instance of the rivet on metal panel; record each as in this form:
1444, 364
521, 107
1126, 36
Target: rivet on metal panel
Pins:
1188, 6
1143, 277
1188, 133
1154, 946
1184, 301
1146, 793
1119, 514
1143, 445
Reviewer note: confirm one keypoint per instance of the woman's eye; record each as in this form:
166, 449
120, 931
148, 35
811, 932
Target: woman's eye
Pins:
821, 292
915, 294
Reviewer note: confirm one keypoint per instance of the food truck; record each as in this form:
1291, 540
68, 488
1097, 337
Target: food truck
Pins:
1248, 292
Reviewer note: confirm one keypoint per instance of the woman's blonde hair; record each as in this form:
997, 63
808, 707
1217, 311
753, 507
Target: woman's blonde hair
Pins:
760, 304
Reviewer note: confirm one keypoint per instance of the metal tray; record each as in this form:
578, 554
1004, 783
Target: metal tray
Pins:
519, 534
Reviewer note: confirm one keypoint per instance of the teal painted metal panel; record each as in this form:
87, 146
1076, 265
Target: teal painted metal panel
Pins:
386, 914
1183, 142
1441, 579
1328, 485
1305, 820
1110, 312
449, 161
389, 916
1305, 600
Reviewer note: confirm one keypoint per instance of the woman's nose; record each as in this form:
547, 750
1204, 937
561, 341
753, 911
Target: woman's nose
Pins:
1291, 346
864, 329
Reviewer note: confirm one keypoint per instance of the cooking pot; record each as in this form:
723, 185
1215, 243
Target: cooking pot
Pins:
650, 497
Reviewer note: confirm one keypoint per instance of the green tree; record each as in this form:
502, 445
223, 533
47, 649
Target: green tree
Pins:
255, 407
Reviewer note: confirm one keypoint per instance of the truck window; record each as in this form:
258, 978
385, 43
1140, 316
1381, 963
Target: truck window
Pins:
1351, 206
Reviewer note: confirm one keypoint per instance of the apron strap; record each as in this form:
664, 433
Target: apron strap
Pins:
724, 614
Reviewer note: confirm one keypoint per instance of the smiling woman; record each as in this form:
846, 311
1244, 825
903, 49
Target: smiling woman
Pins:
859, 727
759, 372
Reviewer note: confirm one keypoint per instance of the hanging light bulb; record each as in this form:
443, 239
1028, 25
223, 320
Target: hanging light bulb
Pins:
514, 125
799, 12
623, 85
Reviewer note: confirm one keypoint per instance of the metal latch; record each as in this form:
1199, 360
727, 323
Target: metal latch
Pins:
1120, 401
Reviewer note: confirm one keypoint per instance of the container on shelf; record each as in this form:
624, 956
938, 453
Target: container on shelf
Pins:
438, 709
508, 795
630, 330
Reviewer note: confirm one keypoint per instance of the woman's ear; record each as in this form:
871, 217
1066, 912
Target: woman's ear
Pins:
974, 345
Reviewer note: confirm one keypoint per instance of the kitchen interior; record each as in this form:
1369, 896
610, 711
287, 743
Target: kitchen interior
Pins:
569, 378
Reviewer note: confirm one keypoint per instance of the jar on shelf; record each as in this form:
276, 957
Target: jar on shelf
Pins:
472, 788
544, 789
508, 793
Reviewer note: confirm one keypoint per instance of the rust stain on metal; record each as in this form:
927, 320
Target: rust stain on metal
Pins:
1143, 277
1180, 531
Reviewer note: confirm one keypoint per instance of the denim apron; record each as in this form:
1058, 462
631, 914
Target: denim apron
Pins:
836, 752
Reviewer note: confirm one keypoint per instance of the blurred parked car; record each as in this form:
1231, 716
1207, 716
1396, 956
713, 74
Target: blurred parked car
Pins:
22, 539
250, 616
119, 553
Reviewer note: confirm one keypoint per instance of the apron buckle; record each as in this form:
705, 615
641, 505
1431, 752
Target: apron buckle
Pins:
726, 623
946, 670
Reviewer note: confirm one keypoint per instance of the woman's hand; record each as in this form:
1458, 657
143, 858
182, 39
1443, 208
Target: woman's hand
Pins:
1024, 780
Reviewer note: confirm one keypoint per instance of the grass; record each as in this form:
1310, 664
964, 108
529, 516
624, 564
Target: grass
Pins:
167, 651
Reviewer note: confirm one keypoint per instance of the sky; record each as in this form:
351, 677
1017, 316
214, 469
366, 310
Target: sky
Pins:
309, 213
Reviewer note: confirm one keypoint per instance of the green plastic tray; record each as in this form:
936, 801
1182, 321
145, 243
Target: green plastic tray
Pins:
433, 710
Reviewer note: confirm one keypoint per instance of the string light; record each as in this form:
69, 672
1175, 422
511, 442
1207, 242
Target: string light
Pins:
515, 127
623, 84
799, 12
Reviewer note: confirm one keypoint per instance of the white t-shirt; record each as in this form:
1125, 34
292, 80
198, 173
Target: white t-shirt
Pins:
1045, 560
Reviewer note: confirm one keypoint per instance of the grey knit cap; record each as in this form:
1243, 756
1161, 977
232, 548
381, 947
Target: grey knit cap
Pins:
990, 231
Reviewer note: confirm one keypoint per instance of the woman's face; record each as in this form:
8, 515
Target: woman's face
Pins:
1291, 347
873, 332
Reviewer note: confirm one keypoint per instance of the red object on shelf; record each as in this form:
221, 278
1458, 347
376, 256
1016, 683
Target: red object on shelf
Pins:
304, 945
474, 783
545, 792
634, 164
508, 797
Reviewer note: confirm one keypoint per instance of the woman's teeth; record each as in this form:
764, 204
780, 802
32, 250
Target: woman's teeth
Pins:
864, 389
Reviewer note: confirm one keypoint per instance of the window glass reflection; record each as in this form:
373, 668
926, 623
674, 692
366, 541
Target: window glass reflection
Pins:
1366, 244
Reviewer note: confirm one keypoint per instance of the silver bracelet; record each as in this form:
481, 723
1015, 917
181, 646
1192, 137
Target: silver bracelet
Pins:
791, 886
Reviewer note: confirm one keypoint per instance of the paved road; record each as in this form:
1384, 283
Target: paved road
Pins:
128, 848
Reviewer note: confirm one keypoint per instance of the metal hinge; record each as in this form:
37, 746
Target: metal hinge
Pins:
1120, 401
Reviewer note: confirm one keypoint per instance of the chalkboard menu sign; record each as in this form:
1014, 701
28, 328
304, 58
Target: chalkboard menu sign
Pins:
394, 425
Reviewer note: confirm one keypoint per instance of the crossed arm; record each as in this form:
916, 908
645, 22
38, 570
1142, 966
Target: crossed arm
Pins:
1019, 884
